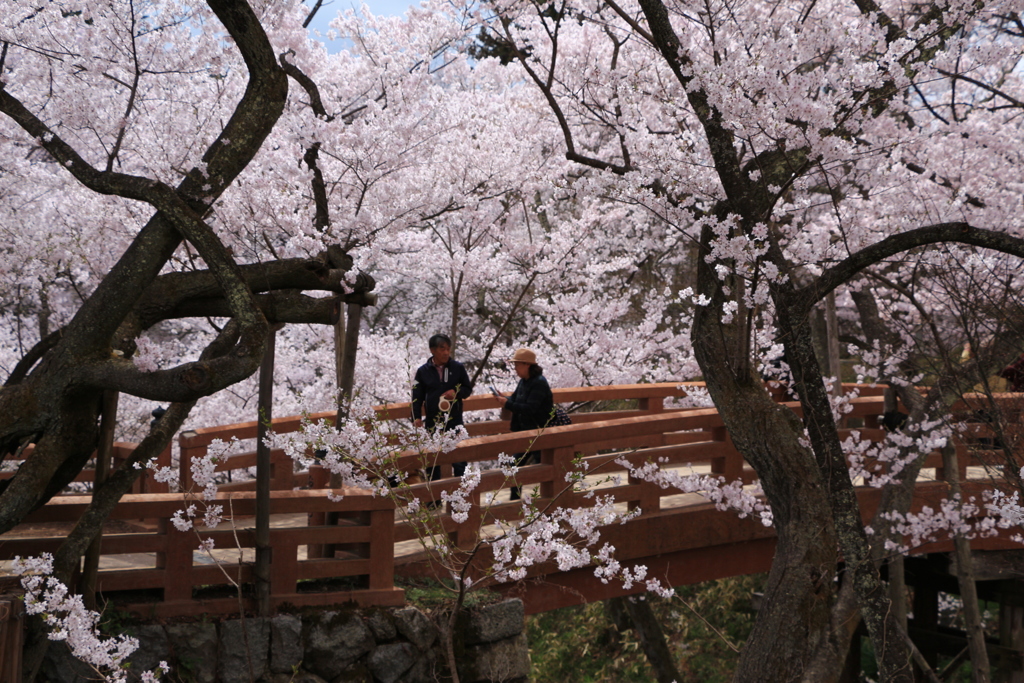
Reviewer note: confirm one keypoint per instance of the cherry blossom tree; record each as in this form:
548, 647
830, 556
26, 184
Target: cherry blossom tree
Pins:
143, 105
142, 164
169, 200
645, 190
797, 146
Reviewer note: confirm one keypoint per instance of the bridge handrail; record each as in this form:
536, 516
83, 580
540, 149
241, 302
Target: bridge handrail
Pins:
366, 534
194, 443
479, 402
368, 524
691, 436
650, 400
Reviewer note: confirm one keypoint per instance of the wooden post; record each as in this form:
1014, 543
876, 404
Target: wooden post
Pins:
176, 562
285, 578
108, 422
319, 478
465, 535
731, 465
651, 404
281, 466
347, 372
187, 450
162, 460
561, 461
347, 333
346, 341
261, 569
382, 550
649, 500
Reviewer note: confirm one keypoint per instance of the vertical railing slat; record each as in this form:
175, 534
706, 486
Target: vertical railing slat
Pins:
176, 561
382, 549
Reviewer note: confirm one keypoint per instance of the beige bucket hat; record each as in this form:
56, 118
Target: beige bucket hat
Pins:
524, 356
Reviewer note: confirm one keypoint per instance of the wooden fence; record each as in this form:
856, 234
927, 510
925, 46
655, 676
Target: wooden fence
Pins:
164, 573
154, 569
649, 399
352, 557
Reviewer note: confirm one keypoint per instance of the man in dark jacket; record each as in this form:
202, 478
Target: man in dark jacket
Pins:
438, 390
439, 387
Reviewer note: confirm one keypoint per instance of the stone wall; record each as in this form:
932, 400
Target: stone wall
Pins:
400, 645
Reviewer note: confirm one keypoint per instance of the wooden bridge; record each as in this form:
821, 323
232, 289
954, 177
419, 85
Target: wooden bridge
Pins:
326, 551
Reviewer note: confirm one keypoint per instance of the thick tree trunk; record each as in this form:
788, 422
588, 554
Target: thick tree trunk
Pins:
63, 449
261, 567
891, 649
104, 498
793, 627
58, 402
808, 485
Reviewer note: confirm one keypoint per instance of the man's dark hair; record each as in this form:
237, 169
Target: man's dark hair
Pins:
439, 340
536, 371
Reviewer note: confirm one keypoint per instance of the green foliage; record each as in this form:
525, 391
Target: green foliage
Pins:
583, 645
430, 594
491, 44
187, 668
115, 621
724, 605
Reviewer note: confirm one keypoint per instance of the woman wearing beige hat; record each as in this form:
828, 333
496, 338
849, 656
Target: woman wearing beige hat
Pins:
531, 405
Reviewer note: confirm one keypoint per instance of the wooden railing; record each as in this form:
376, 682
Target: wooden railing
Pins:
353, 557
649, 399
309, 556
695, 438
167, 563
120, 452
